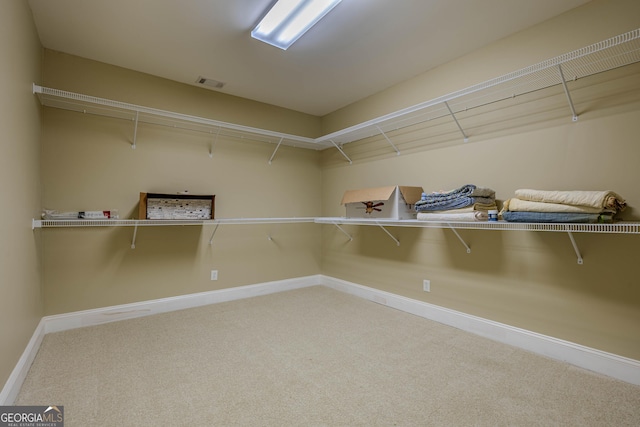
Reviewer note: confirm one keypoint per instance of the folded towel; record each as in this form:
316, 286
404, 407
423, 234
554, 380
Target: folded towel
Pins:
484, 192
557, 217
473, 208
602, 200
464, 191
468, 190
456, 203
453, 216
518, 205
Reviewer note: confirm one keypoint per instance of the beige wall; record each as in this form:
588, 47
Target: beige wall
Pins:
20, 66
88, 164
528, 280
75, 74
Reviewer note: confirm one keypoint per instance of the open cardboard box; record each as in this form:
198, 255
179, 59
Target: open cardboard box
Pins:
393, 202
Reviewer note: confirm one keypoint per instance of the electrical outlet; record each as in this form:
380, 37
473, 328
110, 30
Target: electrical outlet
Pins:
214, 274
426, 285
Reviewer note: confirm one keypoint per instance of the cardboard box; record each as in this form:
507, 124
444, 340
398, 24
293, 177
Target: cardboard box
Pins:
176, 206
394, 202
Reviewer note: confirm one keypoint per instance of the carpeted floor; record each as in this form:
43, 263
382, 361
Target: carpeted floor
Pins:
310, 357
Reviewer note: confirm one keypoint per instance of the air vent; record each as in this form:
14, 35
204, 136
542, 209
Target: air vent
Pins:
210, 82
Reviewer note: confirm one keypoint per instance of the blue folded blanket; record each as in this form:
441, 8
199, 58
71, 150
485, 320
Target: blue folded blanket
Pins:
462, 197
455, 203
585, 218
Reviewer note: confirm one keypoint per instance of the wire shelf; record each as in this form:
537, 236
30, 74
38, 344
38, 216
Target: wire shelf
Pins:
87, 104
54, 223
616, 228
606, 55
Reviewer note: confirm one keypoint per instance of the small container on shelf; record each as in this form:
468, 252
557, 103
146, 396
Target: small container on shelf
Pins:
176, 206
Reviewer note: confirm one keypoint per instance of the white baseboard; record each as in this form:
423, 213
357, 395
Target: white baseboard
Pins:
609, 364
14, 382
79, 319
614, 366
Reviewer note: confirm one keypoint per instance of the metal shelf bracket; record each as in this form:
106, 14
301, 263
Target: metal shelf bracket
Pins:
276, 150
389, 234
135, 130
566, 92
466, 138
273, 229
460, 238
341, 151
213, 143
342, 229
135, 232
388, 140
575, 247
213, 234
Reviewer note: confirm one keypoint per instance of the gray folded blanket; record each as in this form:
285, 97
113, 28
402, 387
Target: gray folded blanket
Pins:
562, 217
461, 197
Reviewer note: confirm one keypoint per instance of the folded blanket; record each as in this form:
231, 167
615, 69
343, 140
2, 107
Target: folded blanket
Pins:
518, 205
484, 192
457, 203
553, 217
602, 200
473, 208
447, 217
468, 190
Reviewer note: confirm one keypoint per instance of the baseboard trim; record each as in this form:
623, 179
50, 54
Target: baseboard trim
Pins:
79, 319
14, 382
612, 365
609, 364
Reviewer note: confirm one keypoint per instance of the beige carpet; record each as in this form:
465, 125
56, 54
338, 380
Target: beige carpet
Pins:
311, 357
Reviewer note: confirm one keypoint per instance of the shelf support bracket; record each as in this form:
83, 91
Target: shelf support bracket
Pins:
213, 234
271, 231
135, 131
466, 138
460, 238
215, 140
342, 229
566, 92
135, 233
341, 151
389, 234
276, 150
575, 247
388, 140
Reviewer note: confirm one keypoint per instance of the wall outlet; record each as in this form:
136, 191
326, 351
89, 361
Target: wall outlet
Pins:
426, 285
214, 274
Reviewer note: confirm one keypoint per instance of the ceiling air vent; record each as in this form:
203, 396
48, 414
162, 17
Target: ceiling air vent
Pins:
210, 82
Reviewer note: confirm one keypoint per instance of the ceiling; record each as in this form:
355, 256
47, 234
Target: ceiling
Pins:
358, 49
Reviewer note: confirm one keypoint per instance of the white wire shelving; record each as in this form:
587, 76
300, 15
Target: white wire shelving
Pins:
70, 223
615, 228
606, 55
53, 223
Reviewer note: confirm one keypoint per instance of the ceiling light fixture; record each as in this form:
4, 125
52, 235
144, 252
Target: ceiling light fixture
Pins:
289, 19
